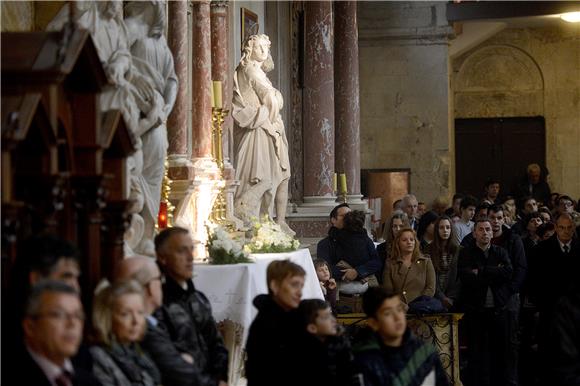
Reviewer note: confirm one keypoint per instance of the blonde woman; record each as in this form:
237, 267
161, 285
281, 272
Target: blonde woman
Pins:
407, 271
119, 324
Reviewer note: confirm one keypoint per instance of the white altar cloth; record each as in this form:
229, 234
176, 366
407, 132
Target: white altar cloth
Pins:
232, 288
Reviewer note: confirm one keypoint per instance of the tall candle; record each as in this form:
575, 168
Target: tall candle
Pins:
334, 182
212, 96
343, 183
217, 93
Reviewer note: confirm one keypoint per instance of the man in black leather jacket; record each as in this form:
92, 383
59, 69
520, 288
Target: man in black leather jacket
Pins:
186, 312
177, 368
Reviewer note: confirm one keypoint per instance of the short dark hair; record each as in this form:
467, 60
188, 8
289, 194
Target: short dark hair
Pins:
33, 302
309, 308
528, 217
495, 208
374, 298
334, 211
354, 221
468, 201
165, 235
43, 252
320, 262
545, 228
278, 270
482, 205
491, 181
482, 219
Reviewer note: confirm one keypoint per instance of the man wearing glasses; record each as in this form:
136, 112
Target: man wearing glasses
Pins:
53, 331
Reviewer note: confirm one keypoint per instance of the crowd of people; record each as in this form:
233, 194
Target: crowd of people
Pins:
148, 326
508, 263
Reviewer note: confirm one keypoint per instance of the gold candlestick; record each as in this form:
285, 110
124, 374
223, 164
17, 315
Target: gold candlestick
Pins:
219, 210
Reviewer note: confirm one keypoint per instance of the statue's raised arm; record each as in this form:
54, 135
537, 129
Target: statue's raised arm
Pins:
262, 164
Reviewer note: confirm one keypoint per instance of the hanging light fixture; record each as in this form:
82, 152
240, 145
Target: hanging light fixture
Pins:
571, 17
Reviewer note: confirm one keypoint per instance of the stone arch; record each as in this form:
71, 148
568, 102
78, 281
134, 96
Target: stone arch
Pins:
498, 81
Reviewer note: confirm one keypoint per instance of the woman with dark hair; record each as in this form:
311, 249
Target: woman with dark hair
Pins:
444, 251
394, 224
425, 230
530, 239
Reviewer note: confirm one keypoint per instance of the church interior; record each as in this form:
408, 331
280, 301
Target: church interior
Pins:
123, 119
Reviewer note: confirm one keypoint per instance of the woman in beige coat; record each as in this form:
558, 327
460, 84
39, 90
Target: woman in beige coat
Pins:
407, 272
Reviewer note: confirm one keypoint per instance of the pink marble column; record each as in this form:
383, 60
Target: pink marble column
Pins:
219, 64
201, 81
177, 41
346, 94
318, 133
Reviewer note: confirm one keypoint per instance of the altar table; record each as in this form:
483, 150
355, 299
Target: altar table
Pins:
231, 289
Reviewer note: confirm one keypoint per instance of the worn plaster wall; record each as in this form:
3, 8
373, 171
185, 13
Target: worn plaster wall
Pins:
405, 94
528, 72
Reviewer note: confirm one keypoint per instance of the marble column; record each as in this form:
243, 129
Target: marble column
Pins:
346, 95
201, 82
204, 183
318, 103
219, 64
177, 121
220, 59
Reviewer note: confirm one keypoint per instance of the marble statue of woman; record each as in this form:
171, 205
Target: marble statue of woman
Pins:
262, 164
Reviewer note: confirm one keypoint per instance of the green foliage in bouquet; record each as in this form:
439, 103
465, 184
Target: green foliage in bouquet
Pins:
223, 249
268, 237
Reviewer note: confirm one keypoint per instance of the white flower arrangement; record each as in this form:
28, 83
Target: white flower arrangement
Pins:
268, 237
223, 249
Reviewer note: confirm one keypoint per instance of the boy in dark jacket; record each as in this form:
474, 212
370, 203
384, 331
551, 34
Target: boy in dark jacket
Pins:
325, 354
387, 353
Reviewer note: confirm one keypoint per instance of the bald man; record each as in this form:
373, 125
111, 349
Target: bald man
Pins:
176, 366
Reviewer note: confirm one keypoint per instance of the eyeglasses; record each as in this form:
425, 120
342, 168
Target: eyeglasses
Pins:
61, 316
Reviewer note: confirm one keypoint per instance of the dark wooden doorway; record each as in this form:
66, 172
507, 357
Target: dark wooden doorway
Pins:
499, 148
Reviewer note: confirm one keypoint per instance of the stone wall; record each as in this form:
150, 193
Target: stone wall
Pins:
529, 72
405, 94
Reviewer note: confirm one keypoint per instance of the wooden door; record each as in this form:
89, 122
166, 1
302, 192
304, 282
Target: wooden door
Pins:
388, 184
497, 148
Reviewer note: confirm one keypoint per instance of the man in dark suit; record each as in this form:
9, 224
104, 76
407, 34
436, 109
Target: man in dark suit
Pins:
557, 265
53, 330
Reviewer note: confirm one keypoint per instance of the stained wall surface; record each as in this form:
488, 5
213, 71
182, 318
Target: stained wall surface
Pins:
529, 72
405, 94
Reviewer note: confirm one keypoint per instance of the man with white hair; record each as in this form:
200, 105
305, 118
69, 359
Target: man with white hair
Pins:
534, 184
411, 206
177, 367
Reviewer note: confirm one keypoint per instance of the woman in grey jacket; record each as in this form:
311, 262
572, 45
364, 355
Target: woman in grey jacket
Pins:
119, 323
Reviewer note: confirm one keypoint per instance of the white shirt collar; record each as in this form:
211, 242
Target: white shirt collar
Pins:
49, 368
569, 244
